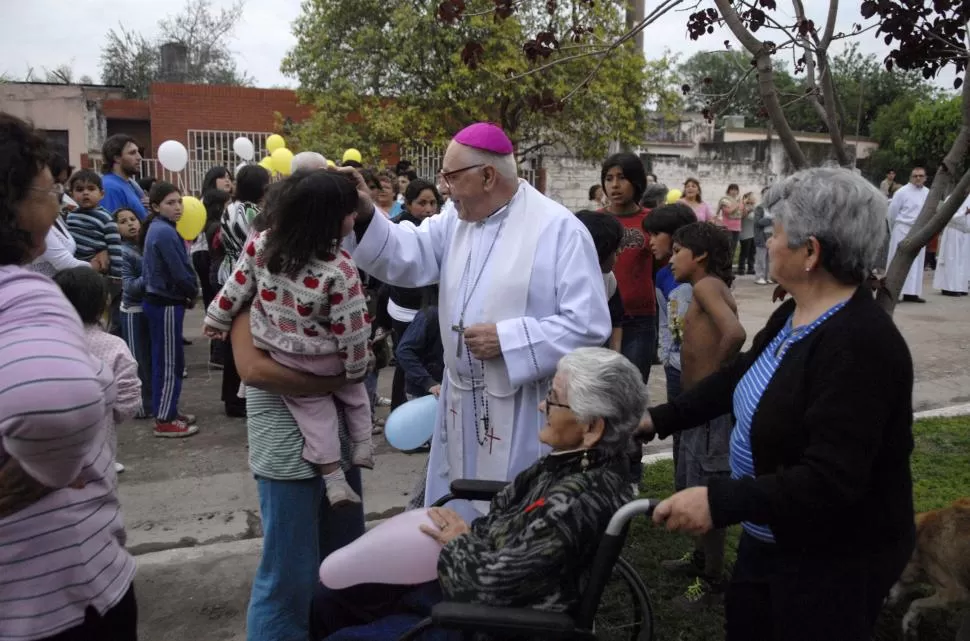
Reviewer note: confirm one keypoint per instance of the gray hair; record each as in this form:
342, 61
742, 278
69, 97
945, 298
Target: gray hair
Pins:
601, 383
308, 160
505, 165
842, 210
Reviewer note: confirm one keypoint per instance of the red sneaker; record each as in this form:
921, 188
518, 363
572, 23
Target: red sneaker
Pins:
187, 418
175, 429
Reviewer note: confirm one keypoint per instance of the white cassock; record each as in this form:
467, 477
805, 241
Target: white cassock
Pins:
539, 280
953, 258
904, 208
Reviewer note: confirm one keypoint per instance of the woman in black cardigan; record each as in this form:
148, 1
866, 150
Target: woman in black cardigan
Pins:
820, 476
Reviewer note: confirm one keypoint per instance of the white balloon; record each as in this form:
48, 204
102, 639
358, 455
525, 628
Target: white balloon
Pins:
243, 147
239, 168
172, 155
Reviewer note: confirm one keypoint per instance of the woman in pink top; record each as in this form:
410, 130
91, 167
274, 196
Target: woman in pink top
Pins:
729, 214
693, 198
64, 570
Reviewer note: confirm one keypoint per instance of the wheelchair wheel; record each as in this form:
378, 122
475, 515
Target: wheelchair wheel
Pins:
624, 613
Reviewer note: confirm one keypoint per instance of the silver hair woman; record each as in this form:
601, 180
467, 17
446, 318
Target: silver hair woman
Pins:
820, 477
601, 387
537, 542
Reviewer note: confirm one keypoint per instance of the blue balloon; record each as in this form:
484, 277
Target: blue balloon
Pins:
411, 425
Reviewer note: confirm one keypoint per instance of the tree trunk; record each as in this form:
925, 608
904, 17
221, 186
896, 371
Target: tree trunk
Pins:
831, 114
766, 82
769, 95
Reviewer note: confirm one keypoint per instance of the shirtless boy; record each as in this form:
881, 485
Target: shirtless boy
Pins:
712, 335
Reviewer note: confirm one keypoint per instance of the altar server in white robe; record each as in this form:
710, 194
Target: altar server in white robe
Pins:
953, 258
517, 276
904, 208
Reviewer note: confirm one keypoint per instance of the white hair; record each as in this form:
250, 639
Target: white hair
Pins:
601, 383
842, 210
308, 160
504, 165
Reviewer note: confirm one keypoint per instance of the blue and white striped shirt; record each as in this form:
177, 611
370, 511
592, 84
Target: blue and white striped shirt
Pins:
747, 396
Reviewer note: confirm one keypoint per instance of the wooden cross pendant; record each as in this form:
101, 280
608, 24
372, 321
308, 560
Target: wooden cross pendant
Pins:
460, 328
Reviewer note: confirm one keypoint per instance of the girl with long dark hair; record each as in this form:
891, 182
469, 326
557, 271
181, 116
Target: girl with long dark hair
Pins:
309, 312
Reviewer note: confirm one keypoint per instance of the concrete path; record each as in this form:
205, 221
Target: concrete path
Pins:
191, 507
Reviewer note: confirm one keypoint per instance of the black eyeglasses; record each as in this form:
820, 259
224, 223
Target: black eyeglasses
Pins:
446, 175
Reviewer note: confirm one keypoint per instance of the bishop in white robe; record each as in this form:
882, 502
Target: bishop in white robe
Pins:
904, 208
953, 258
519, 286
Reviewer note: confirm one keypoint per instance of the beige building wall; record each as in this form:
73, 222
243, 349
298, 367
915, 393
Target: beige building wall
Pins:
72, 108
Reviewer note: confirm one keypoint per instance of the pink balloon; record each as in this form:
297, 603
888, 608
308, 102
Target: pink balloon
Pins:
396, 552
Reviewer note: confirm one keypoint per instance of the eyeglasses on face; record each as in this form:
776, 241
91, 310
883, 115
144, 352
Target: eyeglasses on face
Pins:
54, 192
446, 175
552, 403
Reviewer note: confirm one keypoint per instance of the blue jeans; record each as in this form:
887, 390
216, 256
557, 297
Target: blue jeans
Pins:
299, 530
134, 329
640, 342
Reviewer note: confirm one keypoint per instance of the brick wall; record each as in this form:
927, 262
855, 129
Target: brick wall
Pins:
176, 108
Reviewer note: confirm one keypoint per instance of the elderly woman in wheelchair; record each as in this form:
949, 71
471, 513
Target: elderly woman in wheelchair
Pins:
535, 547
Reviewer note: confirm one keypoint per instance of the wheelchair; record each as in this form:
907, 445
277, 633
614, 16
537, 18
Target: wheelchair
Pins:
631, 619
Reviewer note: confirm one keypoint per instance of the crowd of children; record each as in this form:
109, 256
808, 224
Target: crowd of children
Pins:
690, 267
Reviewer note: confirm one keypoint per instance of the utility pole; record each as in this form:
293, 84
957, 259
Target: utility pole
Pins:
635, 12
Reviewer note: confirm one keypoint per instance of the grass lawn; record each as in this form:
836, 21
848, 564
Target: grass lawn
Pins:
941, 474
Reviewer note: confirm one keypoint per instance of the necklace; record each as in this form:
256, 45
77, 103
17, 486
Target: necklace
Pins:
460, 327
479, 402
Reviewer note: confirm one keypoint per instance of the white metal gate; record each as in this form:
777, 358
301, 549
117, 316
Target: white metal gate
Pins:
207, 149
427, 159
210, 148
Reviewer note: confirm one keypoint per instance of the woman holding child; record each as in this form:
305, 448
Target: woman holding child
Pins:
819, 455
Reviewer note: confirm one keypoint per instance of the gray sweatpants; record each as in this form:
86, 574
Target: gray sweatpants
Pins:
761, 262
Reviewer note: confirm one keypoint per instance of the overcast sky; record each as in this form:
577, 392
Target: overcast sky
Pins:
48, 33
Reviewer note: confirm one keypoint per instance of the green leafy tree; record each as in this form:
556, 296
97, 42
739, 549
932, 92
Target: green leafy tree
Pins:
379, 73
132, 60
933, 127
890, 122
864, 86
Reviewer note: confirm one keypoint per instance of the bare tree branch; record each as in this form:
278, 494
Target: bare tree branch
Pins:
830, 24
766, 82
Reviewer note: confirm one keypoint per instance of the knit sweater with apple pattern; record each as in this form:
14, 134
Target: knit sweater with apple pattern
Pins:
320, 310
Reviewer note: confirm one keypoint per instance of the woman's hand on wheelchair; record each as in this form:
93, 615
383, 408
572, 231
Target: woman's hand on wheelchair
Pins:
450, 525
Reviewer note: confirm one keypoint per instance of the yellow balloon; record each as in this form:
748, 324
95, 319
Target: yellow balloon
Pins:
353, 154
275, 142
283, 161
190, 225
674, 195
267, 164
